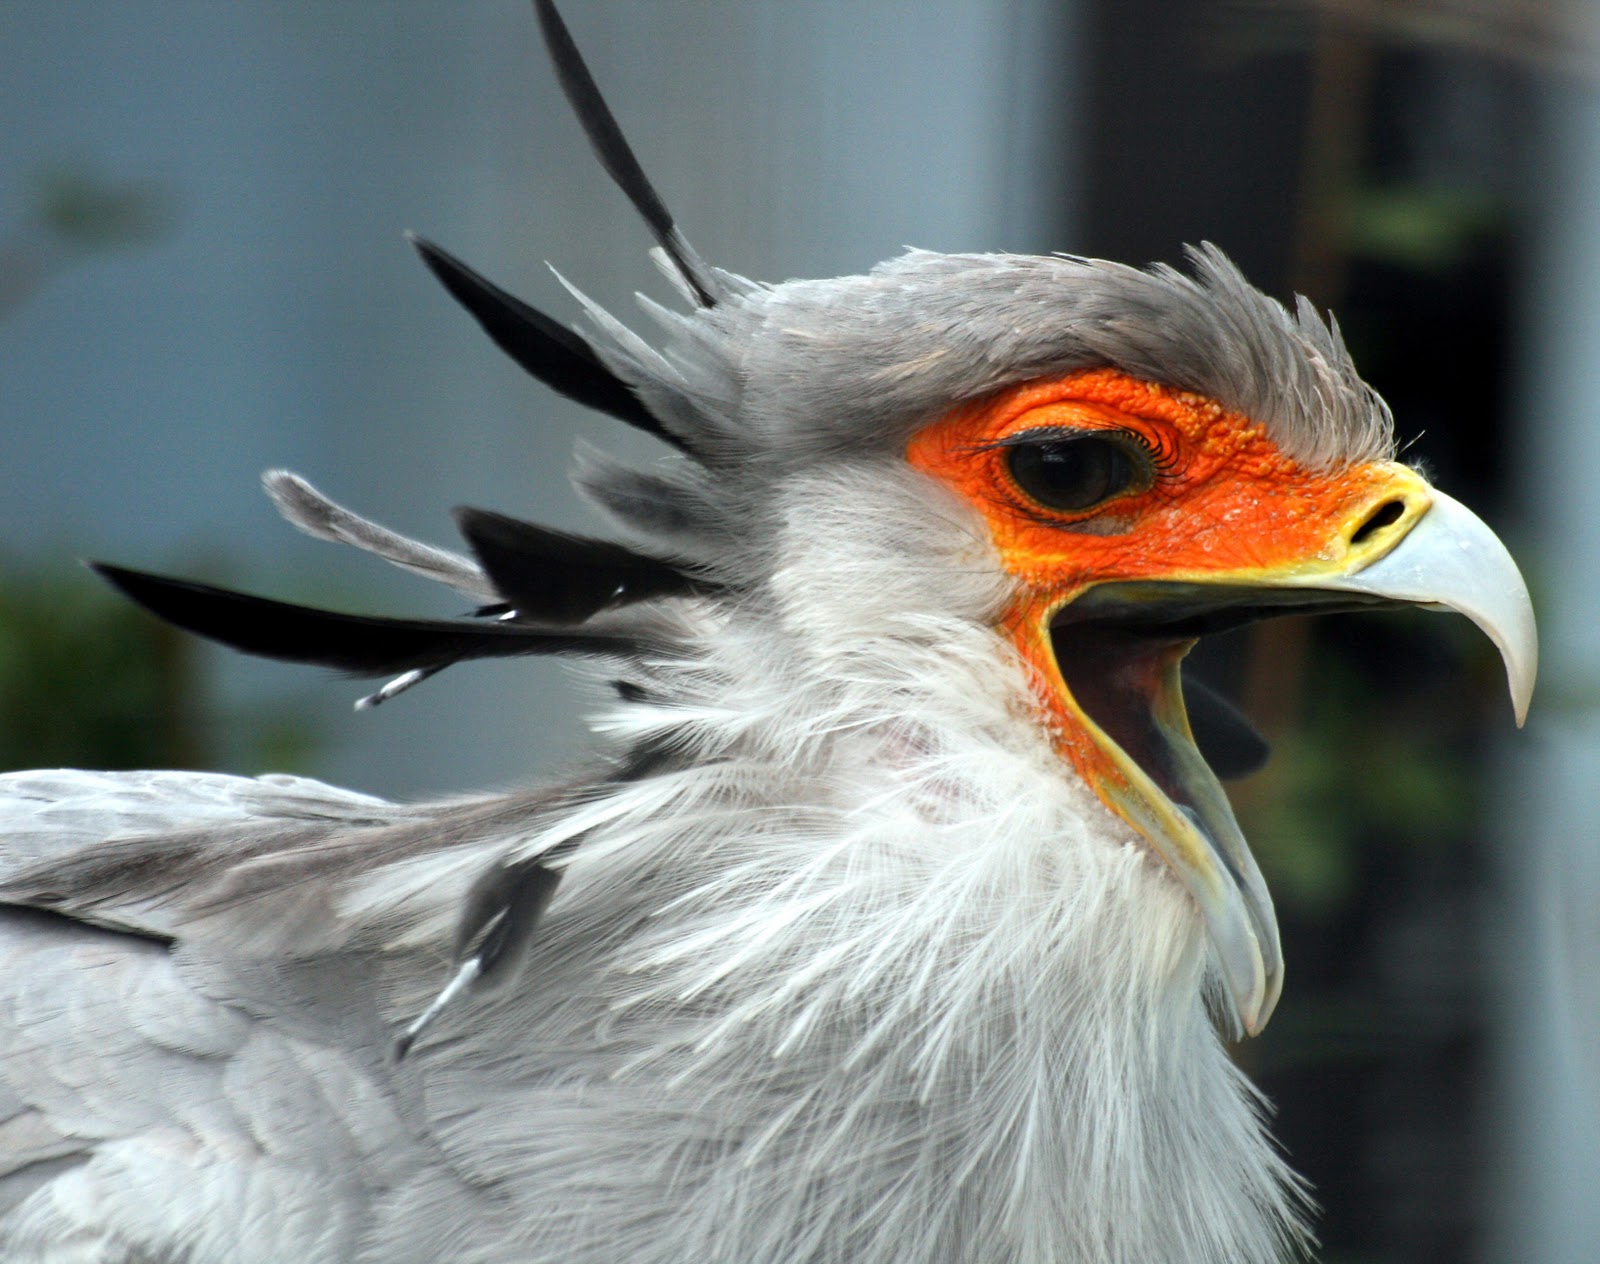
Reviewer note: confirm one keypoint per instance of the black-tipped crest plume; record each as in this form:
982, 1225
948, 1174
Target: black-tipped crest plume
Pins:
555, 577
544, 347
615, 155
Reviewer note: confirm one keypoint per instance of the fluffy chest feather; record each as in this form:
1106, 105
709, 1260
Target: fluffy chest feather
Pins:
948, 1009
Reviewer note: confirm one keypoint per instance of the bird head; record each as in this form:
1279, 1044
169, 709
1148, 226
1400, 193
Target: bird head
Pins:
1100, 465
1135, 517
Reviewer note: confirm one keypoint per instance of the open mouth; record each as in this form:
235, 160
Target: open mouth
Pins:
1119, 714
1119, 647
1119, 650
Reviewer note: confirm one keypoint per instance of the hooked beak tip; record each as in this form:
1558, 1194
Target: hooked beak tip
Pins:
1450, 560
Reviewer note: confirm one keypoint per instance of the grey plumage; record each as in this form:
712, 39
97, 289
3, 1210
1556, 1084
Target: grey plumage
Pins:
806, 369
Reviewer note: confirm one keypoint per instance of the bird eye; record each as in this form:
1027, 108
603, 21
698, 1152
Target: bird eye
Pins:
1077, 472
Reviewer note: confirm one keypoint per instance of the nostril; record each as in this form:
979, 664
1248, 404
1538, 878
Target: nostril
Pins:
1378, 519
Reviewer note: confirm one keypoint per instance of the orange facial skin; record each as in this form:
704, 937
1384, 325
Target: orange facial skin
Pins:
1221, 503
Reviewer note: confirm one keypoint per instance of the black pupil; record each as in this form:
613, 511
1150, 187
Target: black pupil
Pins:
1071, 473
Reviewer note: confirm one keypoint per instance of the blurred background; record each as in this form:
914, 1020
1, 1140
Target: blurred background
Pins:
202, 276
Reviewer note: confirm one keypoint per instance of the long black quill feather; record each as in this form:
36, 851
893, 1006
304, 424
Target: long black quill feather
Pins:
544, 347
559, 578
362, 645
615, 155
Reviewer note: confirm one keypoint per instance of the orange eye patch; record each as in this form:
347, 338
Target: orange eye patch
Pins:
1163, 483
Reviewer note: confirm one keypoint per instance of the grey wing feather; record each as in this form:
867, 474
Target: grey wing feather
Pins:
164, 1123
51, 812
176, 1087
105, 846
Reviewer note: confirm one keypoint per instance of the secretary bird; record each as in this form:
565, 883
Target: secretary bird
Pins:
896, 915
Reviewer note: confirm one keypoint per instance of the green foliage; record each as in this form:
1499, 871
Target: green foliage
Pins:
1424, 229
88, 680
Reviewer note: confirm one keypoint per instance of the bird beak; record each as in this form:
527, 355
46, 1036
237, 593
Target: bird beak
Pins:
1450, 560
1118, 647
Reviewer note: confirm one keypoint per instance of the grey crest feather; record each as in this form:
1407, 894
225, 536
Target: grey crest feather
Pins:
307, 509
811, 371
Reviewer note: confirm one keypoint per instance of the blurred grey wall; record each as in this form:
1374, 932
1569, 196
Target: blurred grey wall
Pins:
1544, 913
282, 321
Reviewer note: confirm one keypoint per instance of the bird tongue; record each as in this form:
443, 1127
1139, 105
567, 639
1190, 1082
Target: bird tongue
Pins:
1120, 680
